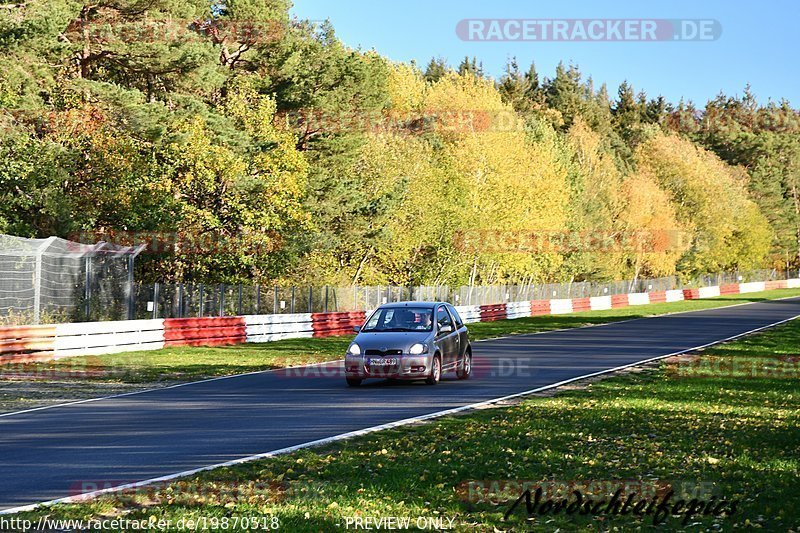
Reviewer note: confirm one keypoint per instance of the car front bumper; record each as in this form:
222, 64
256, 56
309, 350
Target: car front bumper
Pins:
406, 367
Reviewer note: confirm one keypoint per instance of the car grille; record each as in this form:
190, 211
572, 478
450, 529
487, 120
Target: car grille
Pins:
387, 353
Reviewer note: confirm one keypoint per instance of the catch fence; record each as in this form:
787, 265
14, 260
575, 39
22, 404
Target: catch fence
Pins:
53, 281
177, 300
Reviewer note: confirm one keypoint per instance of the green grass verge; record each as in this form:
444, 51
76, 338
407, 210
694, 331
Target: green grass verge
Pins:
734, 434
192, 363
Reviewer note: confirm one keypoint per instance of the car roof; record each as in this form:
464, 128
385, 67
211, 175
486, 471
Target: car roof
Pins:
429, 305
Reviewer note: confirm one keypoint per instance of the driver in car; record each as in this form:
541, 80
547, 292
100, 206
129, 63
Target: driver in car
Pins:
425, 323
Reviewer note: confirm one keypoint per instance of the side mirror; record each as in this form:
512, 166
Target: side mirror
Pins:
444, 330
357, 329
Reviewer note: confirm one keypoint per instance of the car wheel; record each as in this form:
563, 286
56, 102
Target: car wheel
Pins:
354, 382
436, 371
465, 368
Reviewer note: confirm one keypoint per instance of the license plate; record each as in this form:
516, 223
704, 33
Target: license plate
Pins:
382, 362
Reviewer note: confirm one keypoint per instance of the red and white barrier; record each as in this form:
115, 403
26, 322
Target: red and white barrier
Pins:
658, 297
756, 286
600, 303
560, 307
540, 307
775, 285
97, 338
691, 294
580, 305
207, 331
730, 288
518, 309
639, 298
708, 292
469, 313
329, 324
35, 343
674, 296
26, 343
618, 301
492, 312
268, 328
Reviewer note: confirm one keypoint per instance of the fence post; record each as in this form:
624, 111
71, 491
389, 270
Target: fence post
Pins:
130, 287
87, 290
180, 300
292, 309
202, 309
258, 299
156, 287
37, 289
311, 299
326, 298
37, 281
240, 300
221, 289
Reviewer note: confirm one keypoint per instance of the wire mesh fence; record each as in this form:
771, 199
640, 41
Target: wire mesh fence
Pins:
183, 300
55, 281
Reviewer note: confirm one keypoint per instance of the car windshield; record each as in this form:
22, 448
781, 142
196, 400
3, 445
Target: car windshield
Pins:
400, 319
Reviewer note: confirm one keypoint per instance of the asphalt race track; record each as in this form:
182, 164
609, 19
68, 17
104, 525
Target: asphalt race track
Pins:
52, 453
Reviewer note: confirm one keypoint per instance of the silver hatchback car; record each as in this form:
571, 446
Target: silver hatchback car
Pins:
410, 341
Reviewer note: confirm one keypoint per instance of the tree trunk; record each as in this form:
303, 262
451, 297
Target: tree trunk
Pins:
636, 274
361, 266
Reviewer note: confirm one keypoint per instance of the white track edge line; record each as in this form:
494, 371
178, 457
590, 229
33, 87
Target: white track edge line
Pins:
345, 436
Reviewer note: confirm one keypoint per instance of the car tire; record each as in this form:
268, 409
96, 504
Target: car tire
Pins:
436, 371
354, 382
464, 370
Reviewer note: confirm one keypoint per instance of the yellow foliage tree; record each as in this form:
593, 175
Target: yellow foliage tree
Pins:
596, 201
406, 88
513, 187
711, 203
652, 240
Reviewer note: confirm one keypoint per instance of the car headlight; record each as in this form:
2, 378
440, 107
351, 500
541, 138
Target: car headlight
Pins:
418, 349
354, 349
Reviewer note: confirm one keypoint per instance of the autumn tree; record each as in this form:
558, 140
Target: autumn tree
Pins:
712, 204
